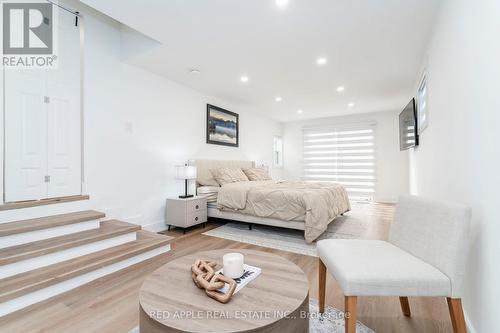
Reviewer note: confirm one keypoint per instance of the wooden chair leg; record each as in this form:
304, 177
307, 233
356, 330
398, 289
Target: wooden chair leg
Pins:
405, 306
457, 315
351, 313
322, 285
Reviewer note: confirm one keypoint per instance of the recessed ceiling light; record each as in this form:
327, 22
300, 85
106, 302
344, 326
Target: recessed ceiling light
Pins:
244, 79
281, 3
299, 111
340, 88
278, 99
194, 71
321, 61
351, 105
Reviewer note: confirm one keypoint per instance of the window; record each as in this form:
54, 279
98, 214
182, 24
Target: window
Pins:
278, 152
422, 104
342, 154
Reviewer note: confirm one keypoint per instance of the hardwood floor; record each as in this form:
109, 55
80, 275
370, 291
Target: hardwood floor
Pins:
110, 304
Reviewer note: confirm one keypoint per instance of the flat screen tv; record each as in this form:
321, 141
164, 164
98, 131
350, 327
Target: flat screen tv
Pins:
408, 132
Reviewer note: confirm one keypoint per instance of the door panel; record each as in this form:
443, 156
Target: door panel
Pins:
63, 145
25, 133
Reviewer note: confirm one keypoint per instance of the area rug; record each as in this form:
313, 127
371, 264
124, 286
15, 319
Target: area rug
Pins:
350, 226
331, 321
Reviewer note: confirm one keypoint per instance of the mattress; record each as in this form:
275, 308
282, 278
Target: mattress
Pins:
208, 192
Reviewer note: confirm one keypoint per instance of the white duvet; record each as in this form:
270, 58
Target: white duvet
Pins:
317, 204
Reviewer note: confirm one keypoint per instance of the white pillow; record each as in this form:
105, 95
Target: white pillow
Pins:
255, 174
228, 175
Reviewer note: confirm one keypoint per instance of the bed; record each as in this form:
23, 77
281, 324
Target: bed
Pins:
303, 206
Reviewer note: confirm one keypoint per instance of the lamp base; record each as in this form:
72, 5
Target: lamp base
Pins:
186, 196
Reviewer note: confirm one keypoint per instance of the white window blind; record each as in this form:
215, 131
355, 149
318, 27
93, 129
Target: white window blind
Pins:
342, 154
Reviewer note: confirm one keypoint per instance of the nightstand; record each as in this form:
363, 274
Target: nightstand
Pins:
185, 213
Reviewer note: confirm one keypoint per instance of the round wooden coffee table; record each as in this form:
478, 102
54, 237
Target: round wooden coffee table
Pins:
276, 301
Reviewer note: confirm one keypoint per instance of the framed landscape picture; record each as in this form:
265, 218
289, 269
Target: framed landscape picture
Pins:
222, 126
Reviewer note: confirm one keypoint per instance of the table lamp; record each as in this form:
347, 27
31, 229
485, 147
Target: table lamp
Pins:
185, 172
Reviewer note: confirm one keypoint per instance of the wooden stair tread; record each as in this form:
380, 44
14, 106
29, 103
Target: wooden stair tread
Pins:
23, 283
143, 234
108, 229
42, 202
46, 222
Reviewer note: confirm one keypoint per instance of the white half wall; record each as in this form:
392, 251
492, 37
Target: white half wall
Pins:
139, 125
459, 156
392, 165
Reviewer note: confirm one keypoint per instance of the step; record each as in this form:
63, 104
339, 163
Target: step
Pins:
37, 285
32, 230
46, 222
42, 202
26, 257
14, 215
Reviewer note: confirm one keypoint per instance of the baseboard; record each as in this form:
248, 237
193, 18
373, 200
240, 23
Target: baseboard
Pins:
155, 227
468, 323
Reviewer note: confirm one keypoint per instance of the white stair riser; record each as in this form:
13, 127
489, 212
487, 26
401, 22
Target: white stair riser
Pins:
71, 253
7, 216
46, 293
33, 236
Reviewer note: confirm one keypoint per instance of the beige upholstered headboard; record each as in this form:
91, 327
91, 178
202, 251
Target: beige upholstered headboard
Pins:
204, 166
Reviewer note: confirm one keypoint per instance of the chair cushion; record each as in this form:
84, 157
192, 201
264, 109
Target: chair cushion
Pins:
378, 268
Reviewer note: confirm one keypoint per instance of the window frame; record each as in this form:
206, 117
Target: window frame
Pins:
278, 151
423, 102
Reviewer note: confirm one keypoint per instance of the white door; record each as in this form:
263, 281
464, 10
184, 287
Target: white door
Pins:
25, 135
43, 124
63, 122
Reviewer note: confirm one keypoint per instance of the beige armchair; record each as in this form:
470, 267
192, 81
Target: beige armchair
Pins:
425, 256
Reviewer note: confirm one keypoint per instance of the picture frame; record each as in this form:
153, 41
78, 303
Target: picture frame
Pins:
222, 127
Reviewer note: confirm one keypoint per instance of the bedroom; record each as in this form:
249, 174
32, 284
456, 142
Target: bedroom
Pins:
142, 94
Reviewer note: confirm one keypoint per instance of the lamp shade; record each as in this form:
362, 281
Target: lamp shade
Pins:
185, 172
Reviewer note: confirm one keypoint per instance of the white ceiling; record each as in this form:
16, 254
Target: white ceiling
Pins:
374, 49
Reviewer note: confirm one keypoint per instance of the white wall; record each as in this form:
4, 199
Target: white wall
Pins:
138, 126
392, 165
459, 155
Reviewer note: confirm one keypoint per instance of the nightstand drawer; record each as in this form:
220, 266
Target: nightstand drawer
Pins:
196, 217
196, 206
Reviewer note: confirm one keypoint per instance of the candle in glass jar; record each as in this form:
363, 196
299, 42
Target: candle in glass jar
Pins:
232, 265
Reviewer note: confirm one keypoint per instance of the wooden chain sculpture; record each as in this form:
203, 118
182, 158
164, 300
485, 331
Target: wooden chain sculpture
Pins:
204, 277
